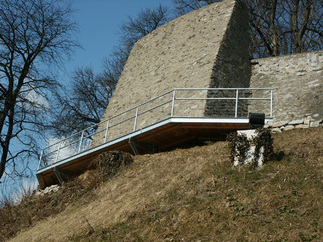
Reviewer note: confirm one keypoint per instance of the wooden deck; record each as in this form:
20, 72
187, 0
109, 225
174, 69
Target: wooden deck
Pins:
160, 137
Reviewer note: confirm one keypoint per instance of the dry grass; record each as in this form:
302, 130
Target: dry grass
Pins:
196, 194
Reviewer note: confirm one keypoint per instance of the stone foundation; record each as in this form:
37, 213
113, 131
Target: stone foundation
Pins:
280, 126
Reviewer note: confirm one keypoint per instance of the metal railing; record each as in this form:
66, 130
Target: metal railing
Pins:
179, 102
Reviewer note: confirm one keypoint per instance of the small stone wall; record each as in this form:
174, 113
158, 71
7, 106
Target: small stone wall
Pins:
280, 126
298, 85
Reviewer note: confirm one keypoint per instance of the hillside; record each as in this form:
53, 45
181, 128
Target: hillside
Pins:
194, 194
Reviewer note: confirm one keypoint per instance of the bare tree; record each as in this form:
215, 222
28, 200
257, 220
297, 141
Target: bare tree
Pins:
145, 22
282, 27
186, 6
134, 29
84, 104
278, 27
31, 32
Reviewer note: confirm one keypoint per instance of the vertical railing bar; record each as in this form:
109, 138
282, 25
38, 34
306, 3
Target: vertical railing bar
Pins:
271, 103
173, 103
236, 107
40, 158
81, 141
106, 131
136, 117
59, 147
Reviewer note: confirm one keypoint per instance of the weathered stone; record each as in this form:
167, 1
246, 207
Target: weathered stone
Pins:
301, 126
50, 189
251, 133
288, 127
276, 130
307, 122
297, 85
296, 122
279, 124
268, 124
315, 124
249, 154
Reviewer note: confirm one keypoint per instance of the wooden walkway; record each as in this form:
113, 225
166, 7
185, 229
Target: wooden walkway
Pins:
162, 136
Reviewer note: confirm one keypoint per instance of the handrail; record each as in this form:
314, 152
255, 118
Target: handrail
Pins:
105, 120
80, 137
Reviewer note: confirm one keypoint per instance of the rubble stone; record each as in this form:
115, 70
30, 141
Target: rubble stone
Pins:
50, 189
288, 127
315, 124
301, 126
296, 122
276, 130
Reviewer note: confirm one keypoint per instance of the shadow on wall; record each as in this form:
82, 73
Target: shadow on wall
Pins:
232, 67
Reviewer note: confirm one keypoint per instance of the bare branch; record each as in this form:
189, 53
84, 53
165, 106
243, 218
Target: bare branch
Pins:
30, 31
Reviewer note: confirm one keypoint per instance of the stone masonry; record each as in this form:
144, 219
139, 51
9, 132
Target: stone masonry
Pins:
232, 65
298, 85
202, 49
209, 48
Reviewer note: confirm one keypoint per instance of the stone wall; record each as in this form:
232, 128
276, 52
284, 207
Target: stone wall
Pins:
298, 84
232, 66
181, 54
210, 48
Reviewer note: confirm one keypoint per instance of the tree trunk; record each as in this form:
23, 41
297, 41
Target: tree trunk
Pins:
272, 29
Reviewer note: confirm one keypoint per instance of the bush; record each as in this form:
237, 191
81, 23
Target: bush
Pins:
110, 163
240, 146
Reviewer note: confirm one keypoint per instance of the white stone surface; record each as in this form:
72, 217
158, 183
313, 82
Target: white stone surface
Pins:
288, 127
276, 130
250, 134
50, 189
315, 124
295, 122
302, 126
279, 124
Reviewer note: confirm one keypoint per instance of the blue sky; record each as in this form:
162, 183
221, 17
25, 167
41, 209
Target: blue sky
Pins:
99, 23
99, 27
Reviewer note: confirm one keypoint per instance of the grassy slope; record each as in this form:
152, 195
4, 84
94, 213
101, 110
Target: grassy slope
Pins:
196, 194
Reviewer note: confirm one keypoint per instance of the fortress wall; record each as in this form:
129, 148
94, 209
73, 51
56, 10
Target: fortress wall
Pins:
232, 66
297, 81
182, 53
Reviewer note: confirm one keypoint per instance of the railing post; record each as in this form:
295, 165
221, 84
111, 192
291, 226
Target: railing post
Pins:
271, 103
106, 131
135, 124
236, 107
173, 103
59, 147
81, 141
40, 158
